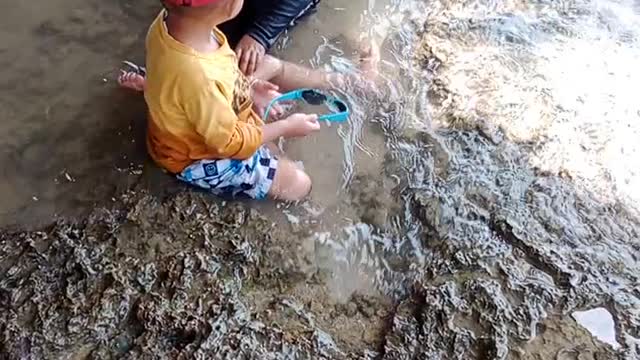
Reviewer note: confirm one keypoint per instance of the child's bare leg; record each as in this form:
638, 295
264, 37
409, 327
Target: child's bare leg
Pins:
289, 76
290, 183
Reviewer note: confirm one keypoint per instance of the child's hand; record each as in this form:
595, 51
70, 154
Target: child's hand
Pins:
263, 92
300, 125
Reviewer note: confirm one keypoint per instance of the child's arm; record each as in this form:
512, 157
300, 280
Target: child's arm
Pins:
215, 120
296, 125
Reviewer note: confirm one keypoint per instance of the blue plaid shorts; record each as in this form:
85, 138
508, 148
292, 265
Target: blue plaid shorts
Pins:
229, 178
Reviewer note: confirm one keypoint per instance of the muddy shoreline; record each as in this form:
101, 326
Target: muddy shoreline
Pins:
190, 277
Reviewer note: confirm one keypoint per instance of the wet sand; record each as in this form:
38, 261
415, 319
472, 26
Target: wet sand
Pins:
67, 129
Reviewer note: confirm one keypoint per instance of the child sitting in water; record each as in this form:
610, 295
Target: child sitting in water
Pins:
202, 121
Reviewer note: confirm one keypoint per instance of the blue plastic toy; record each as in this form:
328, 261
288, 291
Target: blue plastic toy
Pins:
339, 109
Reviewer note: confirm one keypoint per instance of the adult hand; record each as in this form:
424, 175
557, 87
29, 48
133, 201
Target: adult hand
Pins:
250, 54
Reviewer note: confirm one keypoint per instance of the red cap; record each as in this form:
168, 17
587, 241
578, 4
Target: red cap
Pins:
190, 3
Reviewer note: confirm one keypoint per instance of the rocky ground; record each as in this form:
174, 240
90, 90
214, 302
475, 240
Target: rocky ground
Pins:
190, 278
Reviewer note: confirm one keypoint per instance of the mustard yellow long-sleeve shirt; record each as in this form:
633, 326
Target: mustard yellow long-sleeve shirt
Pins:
198, 107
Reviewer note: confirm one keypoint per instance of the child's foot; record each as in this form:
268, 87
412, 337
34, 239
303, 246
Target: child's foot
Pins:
365, 78
134, 80
131, 80
369, 60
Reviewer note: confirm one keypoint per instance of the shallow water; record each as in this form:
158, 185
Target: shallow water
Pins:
509, 129
488, 191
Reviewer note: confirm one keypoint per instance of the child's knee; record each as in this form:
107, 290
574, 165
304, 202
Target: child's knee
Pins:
291, 183
305, 183
300, 187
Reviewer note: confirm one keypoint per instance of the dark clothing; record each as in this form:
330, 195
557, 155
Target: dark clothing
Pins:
266, 20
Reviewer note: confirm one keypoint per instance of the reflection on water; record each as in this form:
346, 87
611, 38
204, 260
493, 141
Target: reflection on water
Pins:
509, 133
559, 75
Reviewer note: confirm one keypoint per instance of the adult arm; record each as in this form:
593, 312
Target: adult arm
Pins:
269, 20
274, 17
